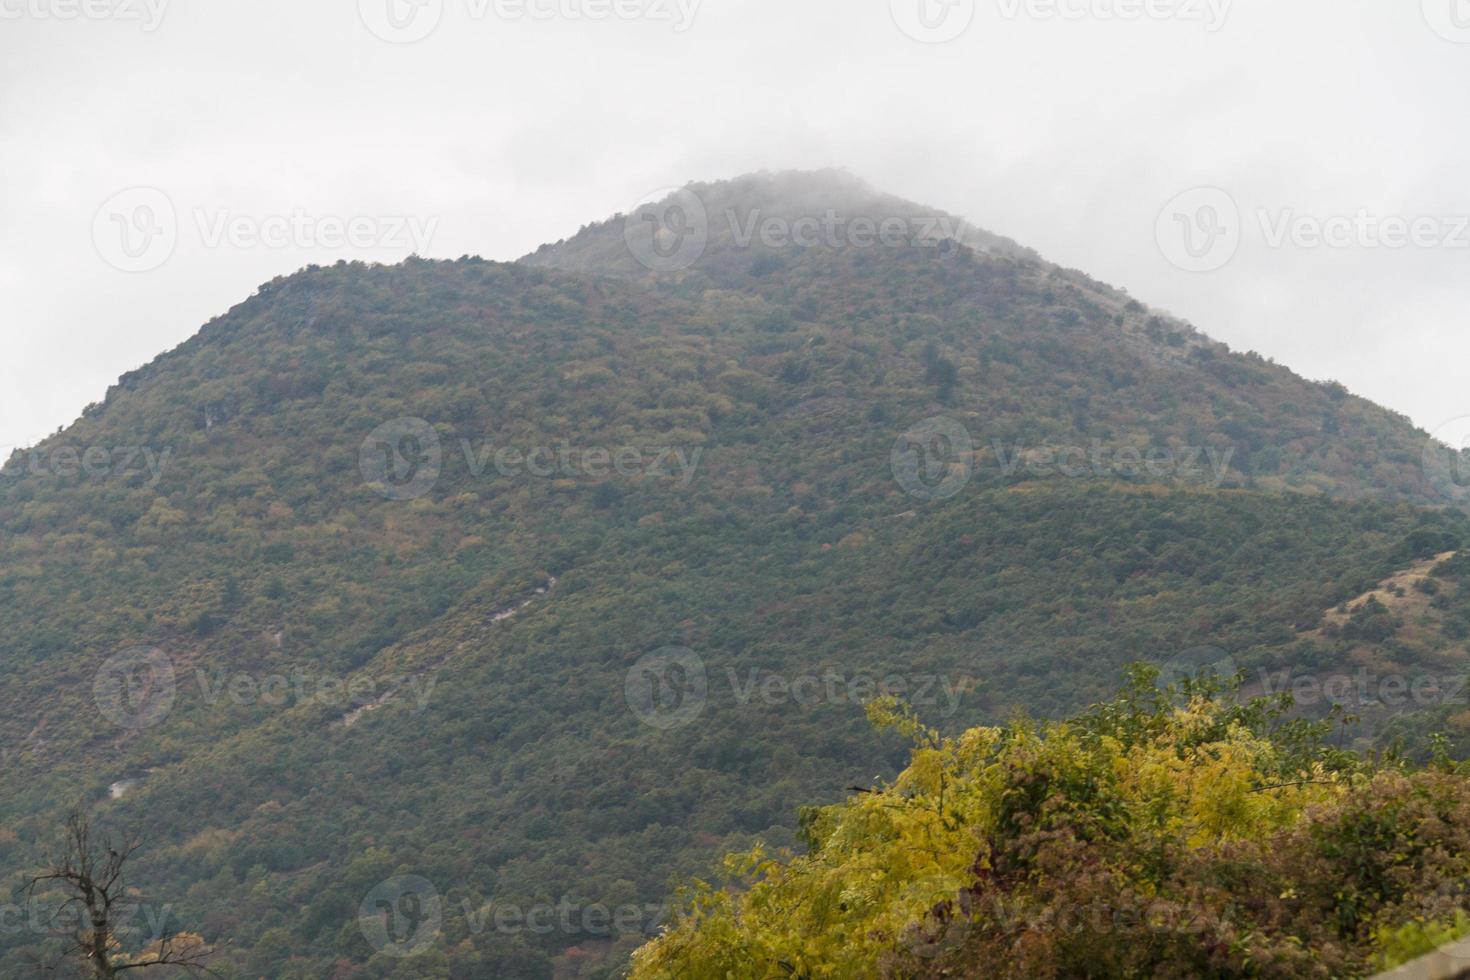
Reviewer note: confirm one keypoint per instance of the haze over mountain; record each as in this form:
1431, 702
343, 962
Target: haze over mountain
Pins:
550, 581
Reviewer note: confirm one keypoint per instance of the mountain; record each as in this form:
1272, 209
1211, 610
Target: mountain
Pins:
543, 584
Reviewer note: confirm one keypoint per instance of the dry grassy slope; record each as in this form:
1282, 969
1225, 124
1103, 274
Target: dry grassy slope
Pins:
1401, 593
1414, 674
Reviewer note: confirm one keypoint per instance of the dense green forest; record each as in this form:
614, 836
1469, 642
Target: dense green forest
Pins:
420, 542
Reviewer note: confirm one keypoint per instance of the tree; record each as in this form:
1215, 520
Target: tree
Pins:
92, 876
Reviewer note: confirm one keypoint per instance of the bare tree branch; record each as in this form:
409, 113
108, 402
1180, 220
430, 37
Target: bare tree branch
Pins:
93, 879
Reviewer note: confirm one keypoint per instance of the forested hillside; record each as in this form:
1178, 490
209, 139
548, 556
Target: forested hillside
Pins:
548, 583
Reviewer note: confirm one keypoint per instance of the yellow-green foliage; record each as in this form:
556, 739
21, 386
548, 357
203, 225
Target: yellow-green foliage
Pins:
1167, 833
882, 861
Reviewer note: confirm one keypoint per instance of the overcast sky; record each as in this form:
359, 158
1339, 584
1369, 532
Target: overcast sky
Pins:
1082, 128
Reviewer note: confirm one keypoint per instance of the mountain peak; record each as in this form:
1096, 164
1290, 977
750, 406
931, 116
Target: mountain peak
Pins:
719, 227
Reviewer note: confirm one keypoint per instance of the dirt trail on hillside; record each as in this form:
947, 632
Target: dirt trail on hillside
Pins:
355, 715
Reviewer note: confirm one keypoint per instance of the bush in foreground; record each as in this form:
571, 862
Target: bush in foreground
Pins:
1168, 833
